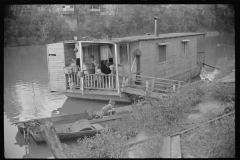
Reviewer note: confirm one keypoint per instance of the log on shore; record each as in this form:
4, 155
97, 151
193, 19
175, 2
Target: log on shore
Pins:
52, 140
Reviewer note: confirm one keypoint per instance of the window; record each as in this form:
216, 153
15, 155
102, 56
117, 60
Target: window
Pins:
123, 54
95, 6
162, 51
184, 47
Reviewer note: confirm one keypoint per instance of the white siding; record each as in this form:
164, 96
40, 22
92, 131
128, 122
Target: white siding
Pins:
56, 62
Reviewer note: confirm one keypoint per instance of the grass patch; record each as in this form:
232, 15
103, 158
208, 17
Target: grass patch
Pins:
213, 140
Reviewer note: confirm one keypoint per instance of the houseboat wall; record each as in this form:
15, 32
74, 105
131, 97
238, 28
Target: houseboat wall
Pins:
56, 62
177, 64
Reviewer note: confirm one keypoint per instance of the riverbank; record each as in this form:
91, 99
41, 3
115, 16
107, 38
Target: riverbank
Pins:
194, 104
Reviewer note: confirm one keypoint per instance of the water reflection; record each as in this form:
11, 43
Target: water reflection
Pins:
33, 100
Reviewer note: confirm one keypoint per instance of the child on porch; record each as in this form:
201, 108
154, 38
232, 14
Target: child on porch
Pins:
98, 75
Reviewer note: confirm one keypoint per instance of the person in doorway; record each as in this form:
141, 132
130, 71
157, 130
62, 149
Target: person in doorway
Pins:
72, 63
78, 62
93, 64
108, 109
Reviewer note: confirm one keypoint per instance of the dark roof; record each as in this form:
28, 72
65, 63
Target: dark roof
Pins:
152, 37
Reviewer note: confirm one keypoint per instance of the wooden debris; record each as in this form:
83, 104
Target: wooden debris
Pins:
52, 140
166, 148
175, 147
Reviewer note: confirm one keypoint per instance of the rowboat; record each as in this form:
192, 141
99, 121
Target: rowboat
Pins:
77, 129
70, 126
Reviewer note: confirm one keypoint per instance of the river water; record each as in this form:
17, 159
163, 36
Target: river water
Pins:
26, 93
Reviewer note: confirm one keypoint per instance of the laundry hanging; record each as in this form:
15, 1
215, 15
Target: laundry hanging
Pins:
105, 53
76, 49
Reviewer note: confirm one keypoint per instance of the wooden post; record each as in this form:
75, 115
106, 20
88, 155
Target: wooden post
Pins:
152, 86
52, 140
179, 85
117, 76
147, 85
174, 87
81, 64
123, 83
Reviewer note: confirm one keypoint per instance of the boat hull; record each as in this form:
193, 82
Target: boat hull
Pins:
97, 95
39, 138
63, 122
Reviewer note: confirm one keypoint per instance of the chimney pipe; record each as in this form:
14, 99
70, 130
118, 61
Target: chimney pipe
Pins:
156, 26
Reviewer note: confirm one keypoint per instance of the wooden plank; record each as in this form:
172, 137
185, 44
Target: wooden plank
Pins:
117, 74
166, 148
175, 147
52, 140
152, 85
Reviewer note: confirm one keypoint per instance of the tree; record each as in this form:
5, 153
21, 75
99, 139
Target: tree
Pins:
41, 28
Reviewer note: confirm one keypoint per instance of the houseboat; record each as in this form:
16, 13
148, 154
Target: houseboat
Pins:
104, 67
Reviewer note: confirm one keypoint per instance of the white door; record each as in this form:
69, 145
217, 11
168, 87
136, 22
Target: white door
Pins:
56, 62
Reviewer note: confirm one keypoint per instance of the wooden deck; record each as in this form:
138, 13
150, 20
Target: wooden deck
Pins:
140, 92
152, 86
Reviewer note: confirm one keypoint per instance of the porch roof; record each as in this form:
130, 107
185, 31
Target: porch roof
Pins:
153, 37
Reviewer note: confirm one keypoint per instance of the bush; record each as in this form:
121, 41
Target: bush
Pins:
214, 140
104, 145
224, 92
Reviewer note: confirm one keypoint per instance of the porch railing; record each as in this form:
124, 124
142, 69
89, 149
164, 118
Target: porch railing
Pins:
91, 81
154, 84
97, 81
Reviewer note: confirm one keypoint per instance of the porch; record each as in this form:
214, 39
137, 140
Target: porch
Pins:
106, 87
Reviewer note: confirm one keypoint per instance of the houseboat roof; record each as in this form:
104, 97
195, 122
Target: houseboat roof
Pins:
153, 37
137, 38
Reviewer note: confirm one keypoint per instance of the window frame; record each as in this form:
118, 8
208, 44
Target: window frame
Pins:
159, 57
184, 47
120, 55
